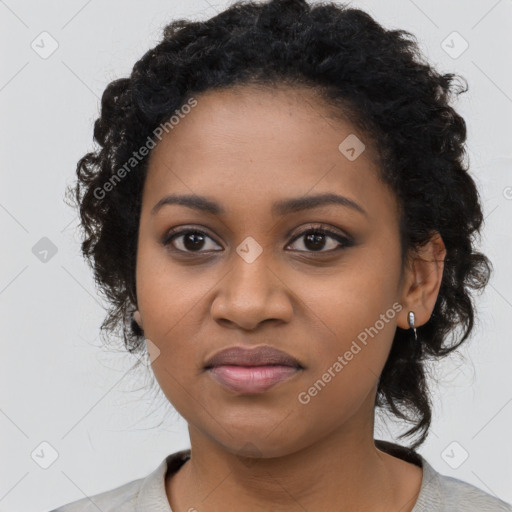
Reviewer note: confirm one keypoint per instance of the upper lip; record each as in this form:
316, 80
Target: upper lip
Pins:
258, 356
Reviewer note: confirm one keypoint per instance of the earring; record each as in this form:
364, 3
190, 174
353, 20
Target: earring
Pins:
137, 318
411, 325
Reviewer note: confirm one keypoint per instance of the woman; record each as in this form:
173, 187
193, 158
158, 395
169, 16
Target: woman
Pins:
281, 217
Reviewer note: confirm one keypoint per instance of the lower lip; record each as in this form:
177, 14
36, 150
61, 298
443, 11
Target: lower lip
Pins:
251, 379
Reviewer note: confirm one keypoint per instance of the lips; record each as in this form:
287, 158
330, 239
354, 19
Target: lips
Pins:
251, 371
259, 356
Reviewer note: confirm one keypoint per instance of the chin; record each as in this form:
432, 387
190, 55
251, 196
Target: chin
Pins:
262, 444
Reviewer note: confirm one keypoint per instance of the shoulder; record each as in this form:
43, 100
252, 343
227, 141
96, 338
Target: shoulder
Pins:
462, 496
122, 498
146, 493
448, 494
442, 493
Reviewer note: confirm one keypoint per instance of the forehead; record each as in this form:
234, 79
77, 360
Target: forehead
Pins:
245, 118
259, 142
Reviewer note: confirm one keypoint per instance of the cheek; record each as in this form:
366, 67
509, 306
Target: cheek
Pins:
166, 291
347, 363
354, 323
168, 303
362, 316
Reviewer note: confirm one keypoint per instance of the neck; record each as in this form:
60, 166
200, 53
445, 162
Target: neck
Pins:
344, 471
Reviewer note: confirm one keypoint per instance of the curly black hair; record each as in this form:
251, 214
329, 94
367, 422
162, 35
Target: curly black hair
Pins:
376, 78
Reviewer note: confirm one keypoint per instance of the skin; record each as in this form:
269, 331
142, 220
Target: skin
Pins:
246, 148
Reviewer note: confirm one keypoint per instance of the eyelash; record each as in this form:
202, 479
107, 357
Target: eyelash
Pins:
342, 240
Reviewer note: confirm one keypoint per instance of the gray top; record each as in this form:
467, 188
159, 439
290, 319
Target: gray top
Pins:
438, 493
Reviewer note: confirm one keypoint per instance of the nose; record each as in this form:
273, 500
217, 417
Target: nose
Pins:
250, 294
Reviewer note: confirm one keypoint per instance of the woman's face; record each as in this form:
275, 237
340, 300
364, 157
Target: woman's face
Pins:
259, 277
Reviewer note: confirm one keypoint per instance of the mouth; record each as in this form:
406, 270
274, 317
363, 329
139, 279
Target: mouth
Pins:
252, 371
251, 379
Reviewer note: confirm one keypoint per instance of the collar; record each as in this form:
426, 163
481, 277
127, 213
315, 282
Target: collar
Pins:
152, 495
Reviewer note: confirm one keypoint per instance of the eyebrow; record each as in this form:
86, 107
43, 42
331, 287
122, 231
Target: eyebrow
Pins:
282, 207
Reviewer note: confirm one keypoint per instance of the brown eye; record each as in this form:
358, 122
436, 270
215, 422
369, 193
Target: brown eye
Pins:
189, 240
317, 239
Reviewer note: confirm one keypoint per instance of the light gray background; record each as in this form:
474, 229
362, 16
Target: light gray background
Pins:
59, 386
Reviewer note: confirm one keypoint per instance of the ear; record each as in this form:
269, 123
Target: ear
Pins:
137, 318
422, 279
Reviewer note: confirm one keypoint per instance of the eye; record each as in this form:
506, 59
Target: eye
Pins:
189, 240
195, 240
315, 240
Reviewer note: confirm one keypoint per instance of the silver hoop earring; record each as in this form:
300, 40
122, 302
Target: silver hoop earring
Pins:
411, 324
137, 318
